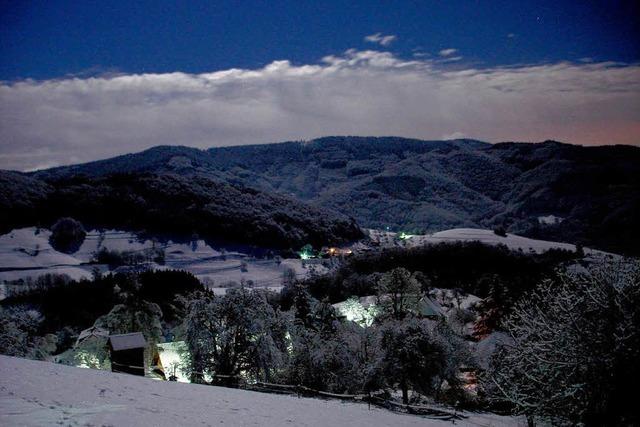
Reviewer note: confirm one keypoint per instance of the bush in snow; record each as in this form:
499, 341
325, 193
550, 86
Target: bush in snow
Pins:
500, 231
575, 349
67, 235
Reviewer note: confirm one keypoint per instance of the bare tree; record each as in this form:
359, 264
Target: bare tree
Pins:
575, 349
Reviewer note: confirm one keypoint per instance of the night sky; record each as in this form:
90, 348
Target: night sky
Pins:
81, 80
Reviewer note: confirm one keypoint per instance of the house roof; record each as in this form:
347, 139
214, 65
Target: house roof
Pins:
127, 341
428, 307
93, 331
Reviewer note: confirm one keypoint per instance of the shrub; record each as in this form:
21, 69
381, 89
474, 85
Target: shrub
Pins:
500, 231
67, 235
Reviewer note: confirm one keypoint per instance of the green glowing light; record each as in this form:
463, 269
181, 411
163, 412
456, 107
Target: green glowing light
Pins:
306, 252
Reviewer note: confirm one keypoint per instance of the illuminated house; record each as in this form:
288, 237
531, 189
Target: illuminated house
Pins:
170, 358
335, 252
364, 310
127, 353
89, 351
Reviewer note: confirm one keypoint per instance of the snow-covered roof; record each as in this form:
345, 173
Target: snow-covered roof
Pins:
127, 341
93, 331
427, 307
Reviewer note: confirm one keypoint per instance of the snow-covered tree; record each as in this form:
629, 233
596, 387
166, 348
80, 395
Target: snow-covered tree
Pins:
575, 347
19, 337
413, 357
237, 333
134, 316
397, 291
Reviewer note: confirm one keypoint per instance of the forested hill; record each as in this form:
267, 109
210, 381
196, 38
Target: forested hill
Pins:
549, 190
175, 206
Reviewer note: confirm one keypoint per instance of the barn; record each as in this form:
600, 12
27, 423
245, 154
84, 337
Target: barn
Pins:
127, 353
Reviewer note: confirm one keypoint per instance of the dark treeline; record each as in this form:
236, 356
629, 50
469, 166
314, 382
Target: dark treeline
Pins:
472, 267
175, 206
65, 303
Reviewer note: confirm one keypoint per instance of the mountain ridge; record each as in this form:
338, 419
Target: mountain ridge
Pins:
423, 186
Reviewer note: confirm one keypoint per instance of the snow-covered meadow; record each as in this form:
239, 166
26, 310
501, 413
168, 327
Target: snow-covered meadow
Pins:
512, 241
26, 253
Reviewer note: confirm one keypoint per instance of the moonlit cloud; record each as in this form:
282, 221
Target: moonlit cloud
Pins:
447, 52
380, 39
62, 121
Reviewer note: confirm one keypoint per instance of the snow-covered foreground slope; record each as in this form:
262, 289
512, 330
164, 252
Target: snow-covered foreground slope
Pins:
40, 393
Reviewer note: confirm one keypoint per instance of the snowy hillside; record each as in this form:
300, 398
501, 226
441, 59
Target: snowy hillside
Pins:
488, 237
26, 252
40, 393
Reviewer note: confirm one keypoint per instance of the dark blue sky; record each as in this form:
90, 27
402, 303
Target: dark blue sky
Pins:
46, 39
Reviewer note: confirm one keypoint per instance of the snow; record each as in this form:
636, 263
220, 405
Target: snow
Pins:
113, 240
23, 248
40, 393
550, 220
512, 241
26, 253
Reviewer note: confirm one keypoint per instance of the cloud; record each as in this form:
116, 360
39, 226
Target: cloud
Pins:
380, 39
447, 52
453, 135
367, 92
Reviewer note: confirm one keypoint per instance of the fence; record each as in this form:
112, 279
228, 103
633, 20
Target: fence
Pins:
235, 381
371, 399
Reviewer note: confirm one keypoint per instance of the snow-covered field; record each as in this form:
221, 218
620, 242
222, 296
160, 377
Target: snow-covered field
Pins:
27, 248
27, 253
512, 241
40, 393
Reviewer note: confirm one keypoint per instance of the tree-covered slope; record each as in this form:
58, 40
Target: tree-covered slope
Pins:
177, 205
415, 185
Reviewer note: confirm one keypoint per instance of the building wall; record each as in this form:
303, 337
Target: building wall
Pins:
128, 361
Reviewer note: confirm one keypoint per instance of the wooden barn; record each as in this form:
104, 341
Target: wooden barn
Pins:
127, 353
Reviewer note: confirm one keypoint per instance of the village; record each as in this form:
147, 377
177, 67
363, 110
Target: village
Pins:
295, 318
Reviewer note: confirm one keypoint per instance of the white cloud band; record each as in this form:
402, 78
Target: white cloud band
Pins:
44, 123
